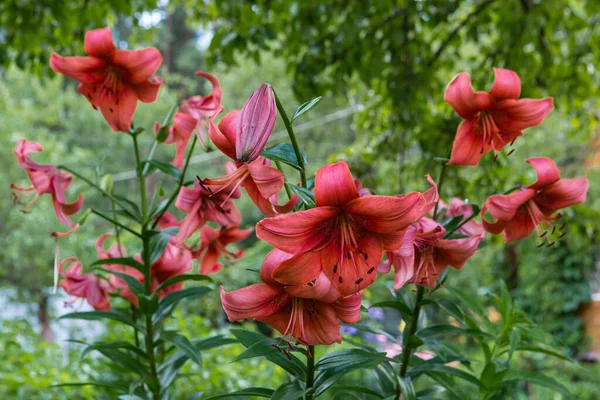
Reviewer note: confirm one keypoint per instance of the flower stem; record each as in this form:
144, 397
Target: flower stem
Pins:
150, 156
112, 221
146, 257
179, 185
440, 183
287, 189
310, 371
290, 130
142, 180
410, 331
92, 184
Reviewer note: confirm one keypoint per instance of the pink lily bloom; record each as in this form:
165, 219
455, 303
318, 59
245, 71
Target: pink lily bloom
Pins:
112, 80
214, 243
87, 286
533, 207
362, 191
179, 134
261, 181
424, 255
45, 179
204, 203
459, 207
118, 285
203, 107
309, 313
344, 236
491, 120
174, 261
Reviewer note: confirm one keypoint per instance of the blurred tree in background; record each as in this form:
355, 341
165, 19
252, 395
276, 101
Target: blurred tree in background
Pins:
382, 67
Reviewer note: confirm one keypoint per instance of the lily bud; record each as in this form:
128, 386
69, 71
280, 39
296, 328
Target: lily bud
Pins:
256, 123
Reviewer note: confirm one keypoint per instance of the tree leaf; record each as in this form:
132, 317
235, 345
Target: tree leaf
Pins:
292, 365
252, 391
305, 107
100, 315
182, 278
284, 152
537, 378
187, 347
166, 168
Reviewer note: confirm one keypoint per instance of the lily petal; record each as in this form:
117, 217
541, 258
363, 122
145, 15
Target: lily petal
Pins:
223, 135
455, 252
271, 261
347, 309
147, 91
546, 170
321, 290
386, 214
87, 70
563, 193
334, 185
465, 101
268, 180
297, 232
140, 65
504, 207
467, 146
515, 115
254, 301
99, 43
507, 85
298, 270
117, 112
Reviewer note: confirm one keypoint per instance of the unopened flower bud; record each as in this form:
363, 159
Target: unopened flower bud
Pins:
256, 123
106, 183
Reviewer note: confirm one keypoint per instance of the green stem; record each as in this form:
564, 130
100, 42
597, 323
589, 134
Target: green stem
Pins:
410, 331
150, 156
146, 257
290, 130
179, 185
92, 184
447, 234
310, 371
135, 331
440, 182
142, 180
287, 189
112, 221
117, 227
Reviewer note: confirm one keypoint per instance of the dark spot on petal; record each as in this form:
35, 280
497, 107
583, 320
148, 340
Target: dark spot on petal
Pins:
366, 256
110, 109
340, 279
335, 269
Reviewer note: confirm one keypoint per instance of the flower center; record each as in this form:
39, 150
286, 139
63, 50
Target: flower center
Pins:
349, 248
545, 227
492, 136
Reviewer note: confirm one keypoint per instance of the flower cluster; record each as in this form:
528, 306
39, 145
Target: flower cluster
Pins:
325, 255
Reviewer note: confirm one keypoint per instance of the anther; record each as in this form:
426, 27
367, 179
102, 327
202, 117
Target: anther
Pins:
551, 244
562, 227
553, 230
540, 245
335, 269
513, 141
495, 157
370, 271
340, 280
510, 152
359, 280
562, 235
544, 234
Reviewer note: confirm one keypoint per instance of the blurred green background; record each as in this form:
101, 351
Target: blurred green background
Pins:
381, 68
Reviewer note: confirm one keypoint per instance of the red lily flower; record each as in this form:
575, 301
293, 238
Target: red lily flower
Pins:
174, 261
179, 133
203, 107
112, 80
261, 181
118, 285
205, 203
87, 286
491, 119
459, 207
424, 255
344, 236
532, 207
214, 242
309, 313
45, 179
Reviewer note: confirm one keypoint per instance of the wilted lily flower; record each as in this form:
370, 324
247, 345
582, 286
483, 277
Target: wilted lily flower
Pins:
533, 207
492, 119
255, 124
112, 80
